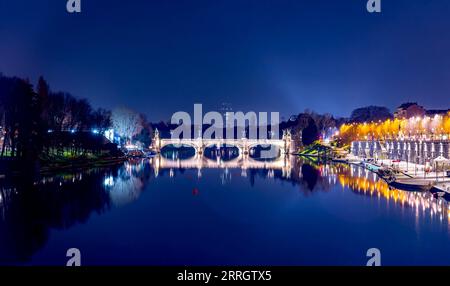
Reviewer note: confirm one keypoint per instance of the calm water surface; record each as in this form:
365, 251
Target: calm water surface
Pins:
202, 211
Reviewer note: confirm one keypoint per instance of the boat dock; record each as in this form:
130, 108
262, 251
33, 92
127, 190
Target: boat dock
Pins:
405, 176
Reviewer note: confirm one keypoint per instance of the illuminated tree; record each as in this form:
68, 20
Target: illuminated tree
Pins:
126, 123
415, 126
447, 124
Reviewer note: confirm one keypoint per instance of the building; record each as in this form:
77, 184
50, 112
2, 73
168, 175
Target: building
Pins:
433, 112
408, 110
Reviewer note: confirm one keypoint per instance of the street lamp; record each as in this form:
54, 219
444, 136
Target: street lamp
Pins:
417, 163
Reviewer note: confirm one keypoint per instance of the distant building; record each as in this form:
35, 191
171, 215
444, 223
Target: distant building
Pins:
408, 110
434, 112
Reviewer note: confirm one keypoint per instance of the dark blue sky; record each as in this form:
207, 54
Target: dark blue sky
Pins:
162, 56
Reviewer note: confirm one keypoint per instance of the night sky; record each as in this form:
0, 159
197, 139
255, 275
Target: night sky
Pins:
162, 56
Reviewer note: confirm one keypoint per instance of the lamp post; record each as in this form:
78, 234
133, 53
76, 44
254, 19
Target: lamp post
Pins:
436, 169
407, 162
415, 169
444, 172
424, 168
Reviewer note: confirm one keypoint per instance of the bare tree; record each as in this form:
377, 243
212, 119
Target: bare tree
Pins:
126, 123
101, 119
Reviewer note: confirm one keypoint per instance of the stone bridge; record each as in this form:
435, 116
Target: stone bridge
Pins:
285, 145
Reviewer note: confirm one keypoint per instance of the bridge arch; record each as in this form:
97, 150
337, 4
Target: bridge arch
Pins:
180, 146
268, 150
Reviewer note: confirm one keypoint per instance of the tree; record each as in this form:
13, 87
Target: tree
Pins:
43, 92
127, 123
80, 114
297, 126
69, 105
310, 133
144, 137
27, 114
370, 113
21, 112
305, 129
100, 119
326, 122
55, 111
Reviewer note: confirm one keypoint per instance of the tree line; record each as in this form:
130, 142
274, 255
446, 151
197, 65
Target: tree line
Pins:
37, 120
309, 126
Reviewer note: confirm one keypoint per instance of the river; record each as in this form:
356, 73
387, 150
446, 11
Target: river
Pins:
215, 211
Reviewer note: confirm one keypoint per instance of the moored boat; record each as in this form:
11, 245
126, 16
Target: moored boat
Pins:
414, 186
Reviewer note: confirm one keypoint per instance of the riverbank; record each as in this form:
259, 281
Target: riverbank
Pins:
82, 162
316, 150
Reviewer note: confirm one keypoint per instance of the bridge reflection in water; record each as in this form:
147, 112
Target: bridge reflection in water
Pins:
243, 162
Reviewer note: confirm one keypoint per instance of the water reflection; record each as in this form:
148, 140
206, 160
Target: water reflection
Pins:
365, 182
243, 162
313, 176
126, 185
30, 209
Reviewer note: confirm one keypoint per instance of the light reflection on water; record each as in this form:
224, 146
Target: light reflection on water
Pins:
30, 209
